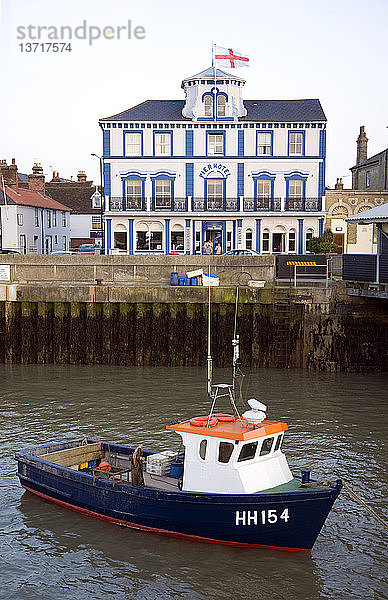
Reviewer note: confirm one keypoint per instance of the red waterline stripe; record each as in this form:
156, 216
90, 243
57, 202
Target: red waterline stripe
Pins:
195, 538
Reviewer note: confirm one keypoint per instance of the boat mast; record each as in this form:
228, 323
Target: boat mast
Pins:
209, 357
236, 346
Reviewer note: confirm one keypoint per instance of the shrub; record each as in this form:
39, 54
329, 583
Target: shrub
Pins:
322, 244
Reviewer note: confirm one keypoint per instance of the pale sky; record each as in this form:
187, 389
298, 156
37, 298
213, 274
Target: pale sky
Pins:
334, 50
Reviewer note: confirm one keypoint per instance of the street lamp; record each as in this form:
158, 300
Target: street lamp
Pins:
100, 158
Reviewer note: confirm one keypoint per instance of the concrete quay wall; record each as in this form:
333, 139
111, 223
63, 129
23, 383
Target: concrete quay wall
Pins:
232, 270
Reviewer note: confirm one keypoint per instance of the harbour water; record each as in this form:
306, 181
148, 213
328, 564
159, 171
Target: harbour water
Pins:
337, 428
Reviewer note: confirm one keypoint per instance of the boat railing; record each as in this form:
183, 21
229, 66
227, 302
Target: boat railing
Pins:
117, 476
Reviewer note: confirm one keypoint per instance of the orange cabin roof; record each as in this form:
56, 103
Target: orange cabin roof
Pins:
240, 429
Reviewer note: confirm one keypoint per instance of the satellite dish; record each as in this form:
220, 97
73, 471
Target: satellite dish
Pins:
256, 405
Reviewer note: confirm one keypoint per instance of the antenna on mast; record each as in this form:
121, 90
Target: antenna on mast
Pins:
209, 356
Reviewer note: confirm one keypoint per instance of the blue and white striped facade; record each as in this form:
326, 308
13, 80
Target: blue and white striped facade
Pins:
176, 174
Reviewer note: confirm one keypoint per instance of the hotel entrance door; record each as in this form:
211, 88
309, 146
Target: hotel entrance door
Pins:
212, 237
213, 242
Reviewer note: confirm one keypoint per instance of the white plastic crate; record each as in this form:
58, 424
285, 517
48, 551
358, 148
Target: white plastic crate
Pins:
197, 273
158, 470
210, 280
159, 464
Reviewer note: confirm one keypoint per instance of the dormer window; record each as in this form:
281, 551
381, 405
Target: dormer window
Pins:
221, 106
208, 105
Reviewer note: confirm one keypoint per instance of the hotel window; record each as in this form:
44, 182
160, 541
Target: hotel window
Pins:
292, 240
367, 179
248, 239
263, 188
295, 188
221, 106
295, 145
133, 193
63, 218
215, 193
49, 218
163, 144
309, 235
198, 242
20, 219
132, 144
55, 239
215, 144
177, 237
162, 192
264, 144
208, 105
64, 242
54, 218
36, 217
266, 240
149, 236
228, 240
96, 222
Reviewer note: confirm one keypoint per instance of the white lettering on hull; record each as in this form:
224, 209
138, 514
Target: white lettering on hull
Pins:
255, 517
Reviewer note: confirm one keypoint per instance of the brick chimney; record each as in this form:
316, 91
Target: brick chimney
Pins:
36, 181
81, 176
362, 147
9, 173
3, 171
339, 185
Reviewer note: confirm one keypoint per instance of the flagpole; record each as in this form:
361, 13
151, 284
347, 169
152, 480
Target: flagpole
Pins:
215, 83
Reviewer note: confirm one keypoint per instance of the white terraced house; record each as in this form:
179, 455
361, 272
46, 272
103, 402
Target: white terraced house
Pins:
214, 172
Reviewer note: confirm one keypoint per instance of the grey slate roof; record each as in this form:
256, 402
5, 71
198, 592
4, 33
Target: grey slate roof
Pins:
378, 214
372, 159
258, 110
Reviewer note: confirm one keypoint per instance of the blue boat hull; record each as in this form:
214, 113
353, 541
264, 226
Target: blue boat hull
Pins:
288, 520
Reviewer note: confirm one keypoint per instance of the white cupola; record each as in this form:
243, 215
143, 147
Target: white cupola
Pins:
213, 96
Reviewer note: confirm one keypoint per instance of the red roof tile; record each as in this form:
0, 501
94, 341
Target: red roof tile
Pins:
31, 198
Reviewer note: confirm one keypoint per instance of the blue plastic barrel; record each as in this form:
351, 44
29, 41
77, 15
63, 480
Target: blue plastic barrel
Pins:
174, 279
181, 281
194, 281
187, 281
176, 470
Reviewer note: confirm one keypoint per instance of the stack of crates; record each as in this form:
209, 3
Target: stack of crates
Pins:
160, 463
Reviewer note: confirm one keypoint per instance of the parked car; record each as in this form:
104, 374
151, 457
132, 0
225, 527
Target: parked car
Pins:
241, 252
86, 249
63, 252
5, 251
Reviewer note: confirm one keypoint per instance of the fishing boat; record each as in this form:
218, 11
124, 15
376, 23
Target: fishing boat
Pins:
229, 483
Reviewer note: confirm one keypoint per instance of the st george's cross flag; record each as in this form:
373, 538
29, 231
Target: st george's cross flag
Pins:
230, 58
